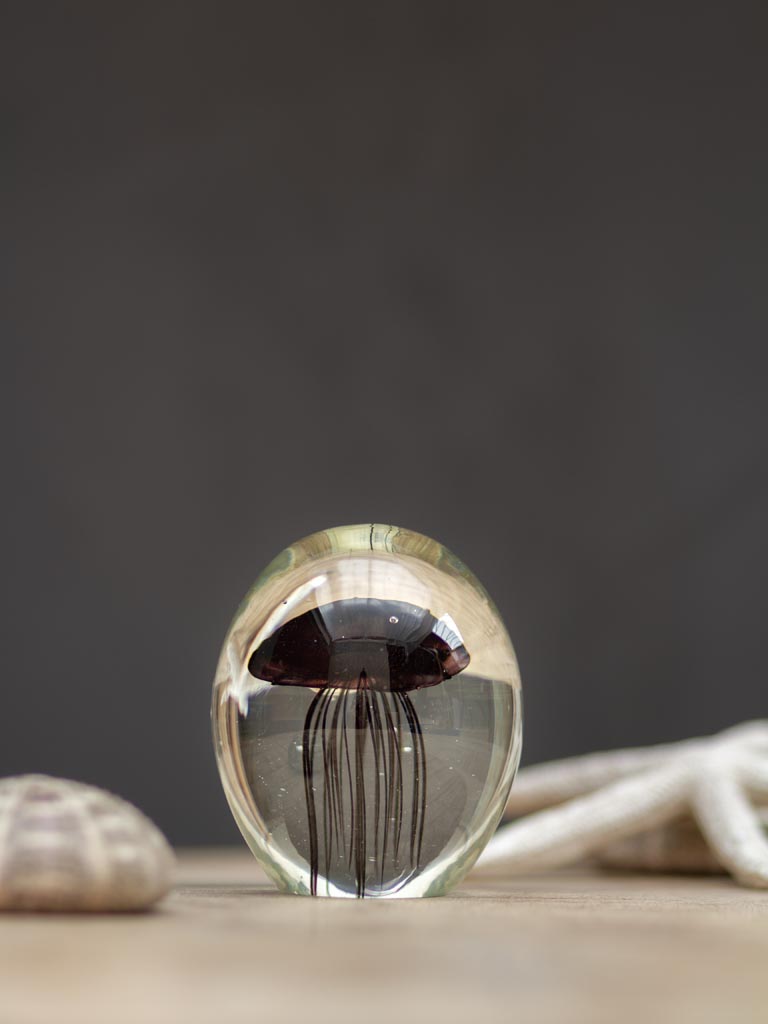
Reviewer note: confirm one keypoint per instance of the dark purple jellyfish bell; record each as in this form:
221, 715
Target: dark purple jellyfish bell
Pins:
398, 646
364, 759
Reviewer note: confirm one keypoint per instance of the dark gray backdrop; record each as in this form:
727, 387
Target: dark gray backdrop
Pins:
493, 272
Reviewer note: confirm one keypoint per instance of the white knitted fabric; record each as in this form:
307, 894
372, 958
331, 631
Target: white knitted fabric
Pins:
630, 807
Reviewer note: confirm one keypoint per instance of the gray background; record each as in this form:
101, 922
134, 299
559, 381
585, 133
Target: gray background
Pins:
493, 272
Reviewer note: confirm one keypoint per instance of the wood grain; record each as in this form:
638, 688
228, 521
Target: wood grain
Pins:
560, 947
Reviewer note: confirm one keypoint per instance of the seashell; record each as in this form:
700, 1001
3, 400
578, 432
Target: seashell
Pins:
67, 846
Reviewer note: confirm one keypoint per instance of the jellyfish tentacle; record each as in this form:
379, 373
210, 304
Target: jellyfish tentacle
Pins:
360, 817
379, 772
399, 789
384, 741
423, 776
375, 734
415, 779
318, 734
328, 788
306, 755
350, 776
337, 768
418, 794
394, 776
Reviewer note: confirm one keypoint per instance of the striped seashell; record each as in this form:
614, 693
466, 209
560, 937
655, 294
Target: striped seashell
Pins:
67, 846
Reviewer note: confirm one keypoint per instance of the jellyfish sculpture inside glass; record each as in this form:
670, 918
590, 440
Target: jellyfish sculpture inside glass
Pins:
367, 715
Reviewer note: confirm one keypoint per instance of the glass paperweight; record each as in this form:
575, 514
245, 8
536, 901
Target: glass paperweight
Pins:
367, 715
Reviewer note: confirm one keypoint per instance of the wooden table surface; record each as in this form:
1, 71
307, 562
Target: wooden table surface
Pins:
564, 947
